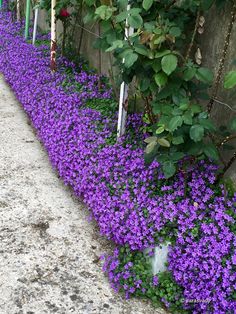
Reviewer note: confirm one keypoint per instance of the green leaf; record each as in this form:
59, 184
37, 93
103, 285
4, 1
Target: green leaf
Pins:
168, 169
162, 53
105, 12
156, 65
150, 147
160, 130
144, 84
204, 75
211, 151
122, 4
195, 108
169, 63
178, 140
175, 122
230, 80
177, 156
183, 106
196, 132
160, 79
135, 21
163, 142
150, 139
175, 31
189, 74
122, 16
116, 44
89, 17
147, 4
130, 59
142, 50
89, 3
232, 124
207, 124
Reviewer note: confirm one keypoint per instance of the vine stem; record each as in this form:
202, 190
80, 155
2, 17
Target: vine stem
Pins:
149, 111
193, 37
227, 139
227, 166
222, 60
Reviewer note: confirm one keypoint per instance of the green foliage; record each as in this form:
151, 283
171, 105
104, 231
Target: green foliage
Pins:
230, 80
165, 76
166, 288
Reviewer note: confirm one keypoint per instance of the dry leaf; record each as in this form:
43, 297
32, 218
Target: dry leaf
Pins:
200, 30
201, 21
198, 56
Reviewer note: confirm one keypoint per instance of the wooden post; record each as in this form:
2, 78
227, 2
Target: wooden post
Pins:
27, 19
53, 36
124, 88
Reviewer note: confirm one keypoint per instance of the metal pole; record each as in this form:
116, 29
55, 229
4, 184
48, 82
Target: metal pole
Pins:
27, 19
124, 88
0, 3
35, 25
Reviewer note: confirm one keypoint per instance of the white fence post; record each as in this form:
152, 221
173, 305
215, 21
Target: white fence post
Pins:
35, 24
124, 88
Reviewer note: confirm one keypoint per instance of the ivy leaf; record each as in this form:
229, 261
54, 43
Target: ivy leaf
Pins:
196, 132
147, 4
160, 79
204, 75
163, 142
230, 80
130, 59
168, 169
135, 21
175, 122
169, 63
211, 151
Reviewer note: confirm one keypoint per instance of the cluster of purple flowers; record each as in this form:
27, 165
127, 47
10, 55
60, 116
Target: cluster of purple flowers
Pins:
131, 202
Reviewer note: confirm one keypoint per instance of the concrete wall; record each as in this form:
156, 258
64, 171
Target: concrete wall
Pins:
211, 43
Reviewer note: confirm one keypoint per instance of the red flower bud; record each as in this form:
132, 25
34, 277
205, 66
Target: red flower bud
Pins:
64, 13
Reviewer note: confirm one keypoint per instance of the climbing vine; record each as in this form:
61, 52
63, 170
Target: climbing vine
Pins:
163, 58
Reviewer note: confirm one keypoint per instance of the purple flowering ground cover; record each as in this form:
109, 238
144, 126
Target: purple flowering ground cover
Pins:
133, 204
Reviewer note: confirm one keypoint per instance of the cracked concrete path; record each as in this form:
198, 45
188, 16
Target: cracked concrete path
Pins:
49, 252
